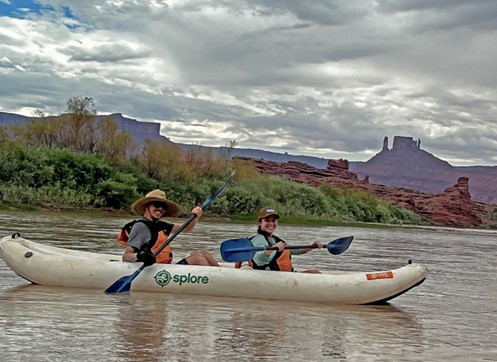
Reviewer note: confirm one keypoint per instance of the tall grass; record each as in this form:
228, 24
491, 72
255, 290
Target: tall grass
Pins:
34, 173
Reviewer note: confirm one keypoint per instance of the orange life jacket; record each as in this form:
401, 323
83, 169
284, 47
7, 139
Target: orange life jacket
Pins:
282, 260
159, 235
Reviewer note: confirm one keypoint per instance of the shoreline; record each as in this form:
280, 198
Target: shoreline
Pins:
240, 219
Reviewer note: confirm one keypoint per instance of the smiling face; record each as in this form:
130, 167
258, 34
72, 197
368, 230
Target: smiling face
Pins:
268, 224
155, 210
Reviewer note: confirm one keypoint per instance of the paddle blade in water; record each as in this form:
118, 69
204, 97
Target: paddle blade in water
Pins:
123, 284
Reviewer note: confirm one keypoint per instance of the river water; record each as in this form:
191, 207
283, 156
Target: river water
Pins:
451, 316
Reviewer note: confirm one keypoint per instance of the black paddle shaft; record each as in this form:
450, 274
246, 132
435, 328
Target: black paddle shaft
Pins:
312, 246
193, 216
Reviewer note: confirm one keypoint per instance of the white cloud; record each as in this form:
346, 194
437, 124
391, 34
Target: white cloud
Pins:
326, 78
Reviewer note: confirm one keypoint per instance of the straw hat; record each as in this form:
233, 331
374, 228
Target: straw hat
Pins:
156, 195
267, 211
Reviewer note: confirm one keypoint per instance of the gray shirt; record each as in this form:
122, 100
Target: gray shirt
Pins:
140, 234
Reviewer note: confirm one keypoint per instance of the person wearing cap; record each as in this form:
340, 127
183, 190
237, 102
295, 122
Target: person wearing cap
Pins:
145, 235
280, 259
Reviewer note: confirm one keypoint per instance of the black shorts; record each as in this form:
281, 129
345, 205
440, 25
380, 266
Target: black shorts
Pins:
183, 262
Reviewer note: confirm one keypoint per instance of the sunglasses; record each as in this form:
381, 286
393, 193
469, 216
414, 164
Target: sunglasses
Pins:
158, 205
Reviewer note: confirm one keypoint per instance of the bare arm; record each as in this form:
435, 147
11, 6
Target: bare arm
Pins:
197, 211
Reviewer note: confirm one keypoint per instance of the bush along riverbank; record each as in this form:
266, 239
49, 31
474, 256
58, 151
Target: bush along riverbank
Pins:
62, 179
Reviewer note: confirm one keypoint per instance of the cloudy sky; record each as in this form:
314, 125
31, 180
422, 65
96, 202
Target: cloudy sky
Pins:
324, 78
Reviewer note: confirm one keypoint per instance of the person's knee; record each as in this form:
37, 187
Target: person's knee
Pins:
196, 259
202, 258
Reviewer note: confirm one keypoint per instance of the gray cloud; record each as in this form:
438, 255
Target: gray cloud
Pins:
324, 78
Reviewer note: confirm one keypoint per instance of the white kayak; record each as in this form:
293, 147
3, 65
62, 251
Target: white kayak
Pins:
49, 265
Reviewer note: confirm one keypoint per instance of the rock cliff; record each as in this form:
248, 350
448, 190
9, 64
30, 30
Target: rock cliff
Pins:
407, 165
451, 207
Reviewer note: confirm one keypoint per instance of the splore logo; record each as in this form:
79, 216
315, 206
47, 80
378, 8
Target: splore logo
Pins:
163, 278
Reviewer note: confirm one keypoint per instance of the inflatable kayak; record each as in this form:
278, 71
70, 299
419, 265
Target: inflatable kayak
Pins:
54, 266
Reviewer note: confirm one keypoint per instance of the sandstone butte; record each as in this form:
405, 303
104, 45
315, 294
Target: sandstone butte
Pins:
453, 207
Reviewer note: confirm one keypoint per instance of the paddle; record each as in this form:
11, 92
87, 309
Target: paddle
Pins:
234, 250
124, 284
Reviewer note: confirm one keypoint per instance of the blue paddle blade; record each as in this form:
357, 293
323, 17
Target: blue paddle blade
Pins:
241, 249
123, 284
338, 246
220, 190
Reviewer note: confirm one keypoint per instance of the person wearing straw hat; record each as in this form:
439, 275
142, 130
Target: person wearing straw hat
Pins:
142, 237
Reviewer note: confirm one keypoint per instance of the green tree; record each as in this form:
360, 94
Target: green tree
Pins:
112, 142
4, 133
162, 160
79, 129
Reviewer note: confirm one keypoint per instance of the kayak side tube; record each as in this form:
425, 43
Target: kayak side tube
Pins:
49, 265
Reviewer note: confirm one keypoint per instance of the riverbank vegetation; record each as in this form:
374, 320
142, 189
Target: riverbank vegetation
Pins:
74, 161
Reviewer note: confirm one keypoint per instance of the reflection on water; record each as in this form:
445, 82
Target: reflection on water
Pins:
153, 327
452, 316
140, 327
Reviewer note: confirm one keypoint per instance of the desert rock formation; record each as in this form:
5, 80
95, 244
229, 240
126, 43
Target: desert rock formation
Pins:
451, 207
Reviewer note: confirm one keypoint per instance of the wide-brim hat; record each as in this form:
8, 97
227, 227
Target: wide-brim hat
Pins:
267, 211
156, 195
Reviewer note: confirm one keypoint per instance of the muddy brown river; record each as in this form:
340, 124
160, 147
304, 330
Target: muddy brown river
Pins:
452, 316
